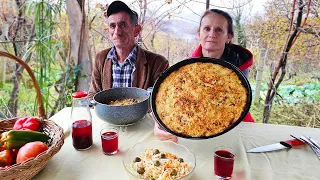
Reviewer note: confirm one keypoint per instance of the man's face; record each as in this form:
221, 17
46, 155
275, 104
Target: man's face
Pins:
121, 30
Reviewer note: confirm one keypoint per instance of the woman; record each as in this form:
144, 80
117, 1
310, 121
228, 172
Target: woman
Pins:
215, 35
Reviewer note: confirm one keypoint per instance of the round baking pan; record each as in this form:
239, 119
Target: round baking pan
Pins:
175, 67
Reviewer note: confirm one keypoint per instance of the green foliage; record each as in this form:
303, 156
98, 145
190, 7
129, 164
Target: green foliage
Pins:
240, 32
48, 52
26, 98
270, 31
293, 94
46, 48
71, 78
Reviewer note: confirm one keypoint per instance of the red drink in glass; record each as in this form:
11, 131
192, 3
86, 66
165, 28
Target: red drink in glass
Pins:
82, 134
223, 163
109, 141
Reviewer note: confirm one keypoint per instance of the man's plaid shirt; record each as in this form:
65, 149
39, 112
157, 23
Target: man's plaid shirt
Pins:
122, 74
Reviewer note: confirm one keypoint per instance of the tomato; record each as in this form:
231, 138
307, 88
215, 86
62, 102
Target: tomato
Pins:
2, 148
30, 150
6, 157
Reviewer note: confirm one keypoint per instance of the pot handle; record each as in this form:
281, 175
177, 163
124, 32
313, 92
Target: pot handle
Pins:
92, 103
150, 89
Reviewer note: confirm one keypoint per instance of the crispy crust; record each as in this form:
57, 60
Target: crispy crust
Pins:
200, 99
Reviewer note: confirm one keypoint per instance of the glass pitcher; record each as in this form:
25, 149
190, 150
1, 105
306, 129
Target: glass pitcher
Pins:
81, 121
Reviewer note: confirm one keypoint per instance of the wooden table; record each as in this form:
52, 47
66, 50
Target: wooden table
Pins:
293, 164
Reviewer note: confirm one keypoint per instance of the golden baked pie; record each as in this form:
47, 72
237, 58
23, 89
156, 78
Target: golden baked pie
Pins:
200, 99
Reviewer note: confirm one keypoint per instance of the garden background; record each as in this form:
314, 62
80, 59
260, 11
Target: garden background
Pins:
59, 39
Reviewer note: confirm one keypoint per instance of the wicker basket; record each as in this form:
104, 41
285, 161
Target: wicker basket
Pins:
29, 168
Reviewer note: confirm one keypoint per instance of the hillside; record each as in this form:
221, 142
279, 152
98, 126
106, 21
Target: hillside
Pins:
180, 28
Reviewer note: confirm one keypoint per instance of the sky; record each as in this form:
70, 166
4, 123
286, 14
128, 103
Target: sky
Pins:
192, 10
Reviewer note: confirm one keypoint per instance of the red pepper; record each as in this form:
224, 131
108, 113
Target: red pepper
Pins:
27, 123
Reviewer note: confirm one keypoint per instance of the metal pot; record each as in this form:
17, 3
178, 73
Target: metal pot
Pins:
125, 114
175, 67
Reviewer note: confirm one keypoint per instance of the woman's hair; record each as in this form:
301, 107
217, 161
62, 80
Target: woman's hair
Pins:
224, 14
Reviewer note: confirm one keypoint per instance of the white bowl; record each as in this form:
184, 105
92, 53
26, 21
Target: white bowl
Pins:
138, 149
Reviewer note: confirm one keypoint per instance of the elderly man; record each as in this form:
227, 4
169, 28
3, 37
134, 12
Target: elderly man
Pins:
125, 64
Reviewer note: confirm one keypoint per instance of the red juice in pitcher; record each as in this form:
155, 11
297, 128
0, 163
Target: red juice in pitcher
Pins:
223, 163
82, 134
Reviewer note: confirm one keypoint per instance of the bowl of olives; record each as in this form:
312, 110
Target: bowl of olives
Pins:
154, 160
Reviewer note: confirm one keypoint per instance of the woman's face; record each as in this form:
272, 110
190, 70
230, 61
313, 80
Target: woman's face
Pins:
213, 32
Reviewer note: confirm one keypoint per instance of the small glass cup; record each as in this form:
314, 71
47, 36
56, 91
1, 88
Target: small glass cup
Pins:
223, 162
109, 140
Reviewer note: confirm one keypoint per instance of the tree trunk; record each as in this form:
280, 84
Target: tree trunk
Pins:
3, 37
153, 36
262, 58
80, 49
2, 73
275, 81
18, 49
143, 11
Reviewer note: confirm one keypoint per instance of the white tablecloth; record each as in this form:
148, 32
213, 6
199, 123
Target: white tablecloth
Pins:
298, 163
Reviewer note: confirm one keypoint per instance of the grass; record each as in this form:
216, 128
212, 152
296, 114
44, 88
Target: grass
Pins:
303, 114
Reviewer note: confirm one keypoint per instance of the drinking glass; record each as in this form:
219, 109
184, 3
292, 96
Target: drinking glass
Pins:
223, 162
109, 140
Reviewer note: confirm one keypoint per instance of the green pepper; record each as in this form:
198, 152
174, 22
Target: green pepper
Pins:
14, 139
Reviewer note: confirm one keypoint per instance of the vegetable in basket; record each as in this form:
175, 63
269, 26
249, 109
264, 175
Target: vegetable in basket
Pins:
14, 139
6, 157
2, 147
30, 150
27, 123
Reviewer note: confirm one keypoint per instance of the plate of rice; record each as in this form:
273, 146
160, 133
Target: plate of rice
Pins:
159, 160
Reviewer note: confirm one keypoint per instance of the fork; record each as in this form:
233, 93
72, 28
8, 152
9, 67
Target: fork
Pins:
312, 141
314, 148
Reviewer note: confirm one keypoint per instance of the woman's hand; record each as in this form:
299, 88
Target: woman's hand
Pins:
163, 135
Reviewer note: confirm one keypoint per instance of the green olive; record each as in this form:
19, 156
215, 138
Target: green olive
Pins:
181, 160
157, 163
140, 170
137, 159
156, 151
173, 172
162, 156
